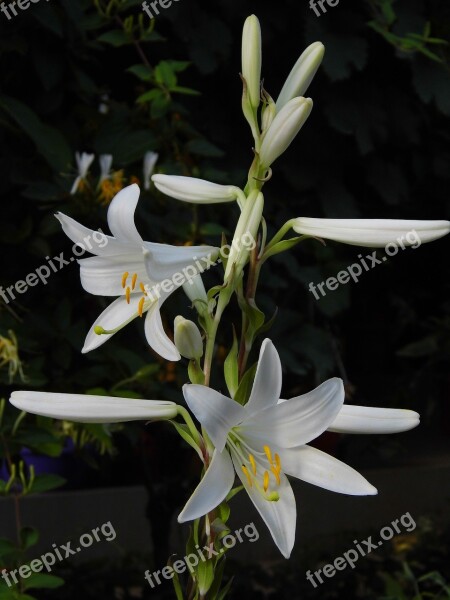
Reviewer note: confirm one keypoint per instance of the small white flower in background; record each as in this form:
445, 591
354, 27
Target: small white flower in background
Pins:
252, 59
302, 74
93, 409
198, 191
84, 161
284, 128
372, 233
187, 338
105, 161
142, 274
103, 107
266, 439
150, 159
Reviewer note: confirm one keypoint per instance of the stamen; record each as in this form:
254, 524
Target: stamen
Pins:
142, 286
127, 295
133, 281
268, 454
124, 279
247, 474
276, 473
253, 463
266, 481
141, 306
278, 461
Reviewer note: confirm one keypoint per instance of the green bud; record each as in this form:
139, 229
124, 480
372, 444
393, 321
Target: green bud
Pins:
188, 339
252, 59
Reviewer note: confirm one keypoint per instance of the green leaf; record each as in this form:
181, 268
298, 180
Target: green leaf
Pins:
141, 72
165, 75
115, 38
47, 482
40, 581
184, 432
184, 90
6, 547
29, 537
243, 392
231, 369
179, 65
49, 142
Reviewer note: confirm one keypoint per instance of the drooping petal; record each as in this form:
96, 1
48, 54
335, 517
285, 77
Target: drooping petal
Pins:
321, 469
217, 413
177, 264
268, 378
116, 315
212, 489
373, 233
156, 336
281, 516
95, 242
103, 276
299, 420
92, 409
121, 215
367, 419
191, 189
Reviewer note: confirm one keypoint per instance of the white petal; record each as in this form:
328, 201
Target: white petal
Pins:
102, 276
217, 413
157, 337
190, 189
195, 289
212, 489
299, 420
281, 516
367, 419
95, 242
150, 159
373, 233
121, 215
92, 409
321, 469
105, 161
177, 264
268, 378
118, 313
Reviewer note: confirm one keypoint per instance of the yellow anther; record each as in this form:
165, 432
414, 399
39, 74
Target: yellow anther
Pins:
251, 458
268, 454
124, 279
127, 294
142, 286
133, 281
276, 473
266, 481
278, 461
247, 474
141, 306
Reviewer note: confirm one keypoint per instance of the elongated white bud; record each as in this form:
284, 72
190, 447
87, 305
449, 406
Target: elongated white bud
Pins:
373, 233
244, 239
284, 129
252, 59
188, 339
191, 189
302, 74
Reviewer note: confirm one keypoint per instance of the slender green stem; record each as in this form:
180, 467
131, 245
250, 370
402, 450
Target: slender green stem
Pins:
280, 234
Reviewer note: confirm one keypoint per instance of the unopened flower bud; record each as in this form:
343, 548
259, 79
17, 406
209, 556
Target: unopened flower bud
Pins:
191, 189
252, 59
284, 129
302, 74
188, 339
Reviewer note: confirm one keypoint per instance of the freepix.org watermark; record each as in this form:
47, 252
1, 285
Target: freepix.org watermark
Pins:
368, 262
351, 557
313, 4
10, 10
105, 532
190, 561
53, 265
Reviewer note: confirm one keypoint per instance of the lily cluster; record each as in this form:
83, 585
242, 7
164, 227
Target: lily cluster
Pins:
251, 433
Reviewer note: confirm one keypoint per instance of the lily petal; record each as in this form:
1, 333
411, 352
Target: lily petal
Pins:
217, 413
281, 516
115, 316
367, 419
121, 215
373, 233
157, 337
102, 276
92, 409
191, 189
177, 263
268, 378
299, 420
95, 242
212, 489
325, 471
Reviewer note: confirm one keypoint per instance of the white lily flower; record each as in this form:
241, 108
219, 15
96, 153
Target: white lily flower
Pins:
92, 409
263, 442
150, 160
142, 274
372, 233
284, 128
302, 74
84, 161
252, 59
105, 161
198, 191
